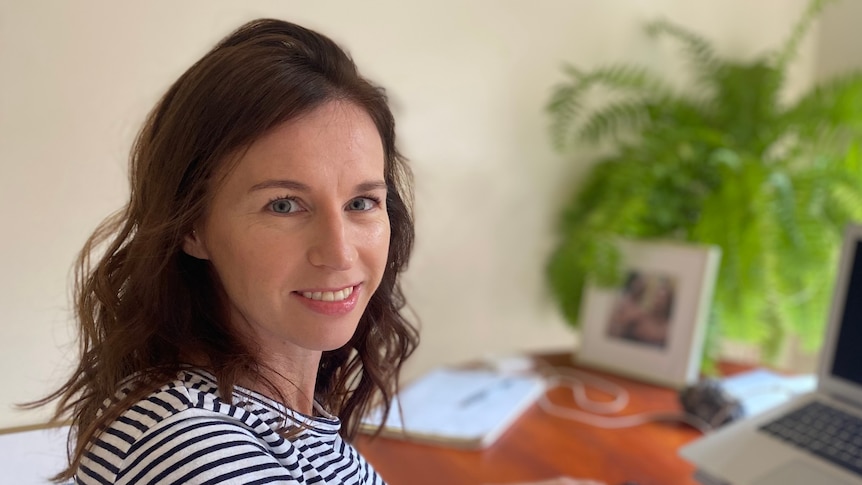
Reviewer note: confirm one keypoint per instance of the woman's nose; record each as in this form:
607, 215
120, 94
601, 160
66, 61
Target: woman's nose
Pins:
331, 245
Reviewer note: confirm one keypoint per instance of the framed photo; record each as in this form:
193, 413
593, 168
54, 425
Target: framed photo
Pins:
653, 326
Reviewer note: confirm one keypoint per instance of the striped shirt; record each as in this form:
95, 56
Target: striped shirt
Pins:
185, 433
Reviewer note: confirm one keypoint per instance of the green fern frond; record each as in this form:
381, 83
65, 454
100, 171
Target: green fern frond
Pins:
836, 103
791, 46
566, 274
627, 79
614, 118
699, 50
848, 196
593, 257
852, 160
598, 207
747, 103
566, 106
784, 206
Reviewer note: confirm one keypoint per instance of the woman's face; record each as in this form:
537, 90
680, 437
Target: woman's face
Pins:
298, 231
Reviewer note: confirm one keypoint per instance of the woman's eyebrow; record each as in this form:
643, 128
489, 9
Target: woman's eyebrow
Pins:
371, 186
280, 184
301, 187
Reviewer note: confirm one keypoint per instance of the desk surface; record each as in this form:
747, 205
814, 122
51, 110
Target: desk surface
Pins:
539, 446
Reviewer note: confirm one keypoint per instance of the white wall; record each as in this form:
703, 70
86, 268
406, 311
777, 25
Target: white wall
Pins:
468, 80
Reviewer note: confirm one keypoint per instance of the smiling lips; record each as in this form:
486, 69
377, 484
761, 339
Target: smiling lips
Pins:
328, 295
333, 303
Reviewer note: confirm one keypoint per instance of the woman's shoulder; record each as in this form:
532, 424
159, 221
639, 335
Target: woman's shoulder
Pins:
184, 417
191, 396
185, 447
190, 391
194, 393
183, 432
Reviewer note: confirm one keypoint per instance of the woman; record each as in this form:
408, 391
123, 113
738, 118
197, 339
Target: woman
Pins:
244, 312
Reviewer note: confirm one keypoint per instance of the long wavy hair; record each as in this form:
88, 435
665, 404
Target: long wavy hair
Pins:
144, 306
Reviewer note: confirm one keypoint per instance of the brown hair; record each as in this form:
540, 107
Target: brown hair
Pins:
145, 306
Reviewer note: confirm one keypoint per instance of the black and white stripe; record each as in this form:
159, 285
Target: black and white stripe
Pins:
185, 434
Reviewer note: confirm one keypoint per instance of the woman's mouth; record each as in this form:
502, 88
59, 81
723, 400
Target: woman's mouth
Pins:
339, 295
331, 302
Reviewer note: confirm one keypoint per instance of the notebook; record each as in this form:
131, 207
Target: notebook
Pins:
461, 408
813, 438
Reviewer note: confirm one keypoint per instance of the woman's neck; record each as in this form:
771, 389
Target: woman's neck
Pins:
290, 381
293, 380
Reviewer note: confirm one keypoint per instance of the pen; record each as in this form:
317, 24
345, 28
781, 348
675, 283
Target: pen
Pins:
482, 393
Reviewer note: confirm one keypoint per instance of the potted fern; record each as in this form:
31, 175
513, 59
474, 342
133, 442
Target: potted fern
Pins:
726, 162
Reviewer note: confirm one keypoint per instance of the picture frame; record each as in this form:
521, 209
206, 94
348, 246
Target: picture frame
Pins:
652, 327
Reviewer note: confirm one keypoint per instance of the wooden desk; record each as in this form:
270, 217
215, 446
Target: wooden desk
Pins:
540, 446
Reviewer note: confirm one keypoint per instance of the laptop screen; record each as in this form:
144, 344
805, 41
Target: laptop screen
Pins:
846, 363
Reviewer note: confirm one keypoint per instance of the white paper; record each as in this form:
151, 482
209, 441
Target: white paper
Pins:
462, 405
760, 390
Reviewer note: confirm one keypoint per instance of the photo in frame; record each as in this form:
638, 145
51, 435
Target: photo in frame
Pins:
652, 327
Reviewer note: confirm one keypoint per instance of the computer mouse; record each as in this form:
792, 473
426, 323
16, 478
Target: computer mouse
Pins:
708, 401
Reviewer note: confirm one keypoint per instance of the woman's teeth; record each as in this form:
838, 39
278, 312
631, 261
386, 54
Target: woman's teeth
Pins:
328, 295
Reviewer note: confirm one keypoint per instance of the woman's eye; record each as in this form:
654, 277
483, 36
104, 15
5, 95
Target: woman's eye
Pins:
283, 206
361, 204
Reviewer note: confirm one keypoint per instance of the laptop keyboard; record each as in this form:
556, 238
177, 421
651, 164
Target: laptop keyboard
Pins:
823, 430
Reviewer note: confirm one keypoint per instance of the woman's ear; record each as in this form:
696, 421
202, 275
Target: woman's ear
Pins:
194, 246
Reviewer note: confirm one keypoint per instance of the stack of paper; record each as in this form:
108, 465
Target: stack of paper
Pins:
458, 407
759, 390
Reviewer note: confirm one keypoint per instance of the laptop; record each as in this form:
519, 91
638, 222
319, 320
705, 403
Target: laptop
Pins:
814, 438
